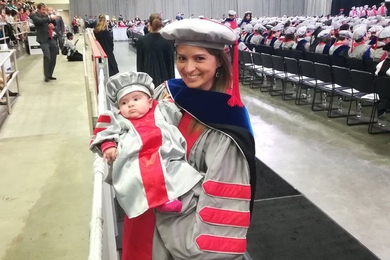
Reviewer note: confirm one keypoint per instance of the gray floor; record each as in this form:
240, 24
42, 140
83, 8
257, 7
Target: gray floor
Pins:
46, 180
343, 170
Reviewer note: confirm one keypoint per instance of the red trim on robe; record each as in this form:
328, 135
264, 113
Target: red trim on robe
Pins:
227, 245
191, 138
384, 56
223, 217
104, 119
227, 190
150, 165
98, 130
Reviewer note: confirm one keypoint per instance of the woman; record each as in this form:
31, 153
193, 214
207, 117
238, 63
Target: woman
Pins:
155, 55
383, 70
220, 146
103, 36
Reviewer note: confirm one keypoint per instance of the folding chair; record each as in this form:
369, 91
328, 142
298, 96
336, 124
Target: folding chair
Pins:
279, 73
382, 89
307, 81
355, 64
268, 71
337, 61
363, 91
258, 70
292, 76
370, 66
342, 82
248, 66
324, 86
296, 54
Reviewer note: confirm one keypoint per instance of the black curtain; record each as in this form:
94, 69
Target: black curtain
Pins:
347, 4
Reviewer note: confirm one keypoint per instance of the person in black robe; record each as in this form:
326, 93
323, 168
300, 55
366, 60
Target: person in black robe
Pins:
155, 55
103, 36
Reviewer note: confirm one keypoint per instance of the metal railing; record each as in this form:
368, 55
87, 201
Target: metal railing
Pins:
7, 82
102, 244
23, 27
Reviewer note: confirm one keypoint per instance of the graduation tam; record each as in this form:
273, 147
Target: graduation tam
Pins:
199, 32
290, 30
385, 33
207, 34
301, 31
127, 82
345, 34
359, 33
231, 13
324, 33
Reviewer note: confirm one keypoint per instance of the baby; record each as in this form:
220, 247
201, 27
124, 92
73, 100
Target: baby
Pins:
144, 146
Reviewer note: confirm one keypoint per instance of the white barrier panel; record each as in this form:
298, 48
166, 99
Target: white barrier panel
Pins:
7, 63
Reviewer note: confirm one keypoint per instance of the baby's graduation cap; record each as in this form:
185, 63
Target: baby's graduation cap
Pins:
127, 82
207, 34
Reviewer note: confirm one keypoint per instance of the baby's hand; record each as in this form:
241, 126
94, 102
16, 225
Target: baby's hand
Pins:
110, 155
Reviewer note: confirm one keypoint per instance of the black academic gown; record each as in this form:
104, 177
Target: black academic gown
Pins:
155, 56
107, 43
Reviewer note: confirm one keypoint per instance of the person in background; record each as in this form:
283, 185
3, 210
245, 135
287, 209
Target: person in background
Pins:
73, 54
359, 43
155, 55
324, 45
231, 20
103, 36
220, 146
45, 27
383, 70
246, 19
376, 52
341, 46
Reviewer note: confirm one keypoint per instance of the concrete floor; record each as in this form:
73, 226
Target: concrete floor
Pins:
46, 180
45, 176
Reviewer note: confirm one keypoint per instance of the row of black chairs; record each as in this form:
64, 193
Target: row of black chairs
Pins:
318, 84
351, 63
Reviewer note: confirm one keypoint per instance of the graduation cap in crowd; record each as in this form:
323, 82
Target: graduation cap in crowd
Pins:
290, 30
125, 83
345, 34
324, 34
207, 34
232, 13
385, 33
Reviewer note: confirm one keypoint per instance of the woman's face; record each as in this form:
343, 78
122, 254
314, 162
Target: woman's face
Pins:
196, 66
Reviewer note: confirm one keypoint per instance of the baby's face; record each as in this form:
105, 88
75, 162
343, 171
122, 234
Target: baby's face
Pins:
135, 105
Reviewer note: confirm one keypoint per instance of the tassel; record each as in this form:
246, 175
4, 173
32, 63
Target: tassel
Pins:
235, 99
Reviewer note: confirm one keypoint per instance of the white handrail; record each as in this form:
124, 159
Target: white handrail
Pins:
102, 244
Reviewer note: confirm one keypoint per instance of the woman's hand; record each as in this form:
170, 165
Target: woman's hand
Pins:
110, 155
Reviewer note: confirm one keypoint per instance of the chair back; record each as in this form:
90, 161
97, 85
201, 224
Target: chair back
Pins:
337, 60
256, 57
382, 87
247, 57
342, 76
355, 64
370, 66
278, 63
362, 81
266, 60
307, 68
296, 54
265, 49
291, 65
323, 72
